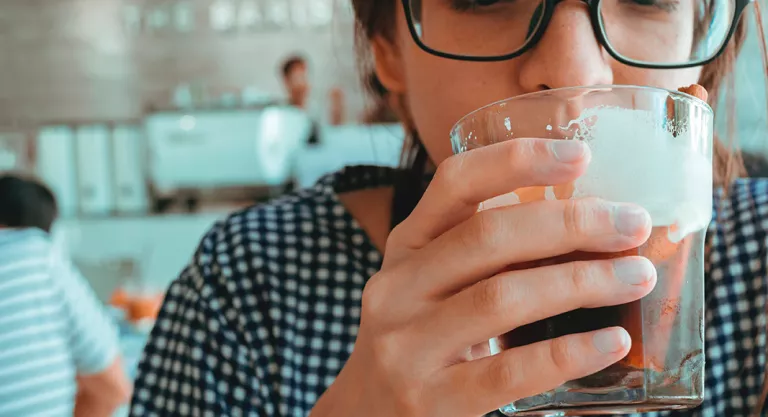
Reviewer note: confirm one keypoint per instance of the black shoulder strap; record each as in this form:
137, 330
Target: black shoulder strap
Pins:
409, 187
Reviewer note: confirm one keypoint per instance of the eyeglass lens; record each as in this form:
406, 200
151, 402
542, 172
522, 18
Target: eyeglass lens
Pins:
645, 31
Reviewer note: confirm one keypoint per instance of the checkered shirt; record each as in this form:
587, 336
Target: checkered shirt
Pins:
266, 314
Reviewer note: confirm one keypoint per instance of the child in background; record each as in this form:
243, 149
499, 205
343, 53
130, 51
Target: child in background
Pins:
58, 349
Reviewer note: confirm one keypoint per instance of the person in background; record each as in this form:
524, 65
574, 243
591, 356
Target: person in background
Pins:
58, 349
295, 73
336, 99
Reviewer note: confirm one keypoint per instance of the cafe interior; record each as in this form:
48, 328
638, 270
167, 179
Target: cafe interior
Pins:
150, 120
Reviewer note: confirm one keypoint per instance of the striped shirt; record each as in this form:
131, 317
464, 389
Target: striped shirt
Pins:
52, 328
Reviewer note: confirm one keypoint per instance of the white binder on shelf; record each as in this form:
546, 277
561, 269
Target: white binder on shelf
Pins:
13, 151
128, 156
95, 178
55, 165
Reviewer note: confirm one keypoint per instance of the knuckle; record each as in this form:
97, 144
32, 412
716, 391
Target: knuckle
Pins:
445, 168
387, 348
395, 238
577, 217
409, 401
389, 359
516, 151
561, 355
525, 151
491, 296
390, 356
471, 236
485, 229
581, 277
448, 179
503, 375
374, 300
450, 169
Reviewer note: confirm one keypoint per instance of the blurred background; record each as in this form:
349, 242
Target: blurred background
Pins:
151, 119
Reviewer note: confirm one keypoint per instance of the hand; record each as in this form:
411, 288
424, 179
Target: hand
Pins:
440, 292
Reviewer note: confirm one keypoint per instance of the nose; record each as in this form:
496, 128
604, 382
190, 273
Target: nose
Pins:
568, 54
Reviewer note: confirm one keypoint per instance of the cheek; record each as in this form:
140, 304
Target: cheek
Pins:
435, 107
442, 91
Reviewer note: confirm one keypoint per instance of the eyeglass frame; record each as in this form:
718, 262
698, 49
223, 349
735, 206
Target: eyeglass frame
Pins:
598, 29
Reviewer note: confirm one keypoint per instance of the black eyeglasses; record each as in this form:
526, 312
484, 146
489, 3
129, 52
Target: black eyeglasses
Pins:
660, 34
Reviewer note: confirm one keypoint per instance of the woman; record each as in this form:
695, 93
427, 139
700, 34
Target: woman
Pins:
264, 319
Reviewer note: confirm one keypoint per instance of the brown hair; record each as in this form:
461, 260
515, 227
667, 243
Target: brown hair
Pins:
290, 63
377, 18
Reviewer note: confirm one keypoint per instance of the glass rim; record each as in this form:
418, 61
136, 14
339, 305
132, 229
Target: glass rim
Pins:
679, 94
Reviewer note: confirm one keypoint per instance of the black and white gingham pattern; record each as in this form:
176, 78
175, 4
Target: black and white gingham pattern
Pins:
263, 319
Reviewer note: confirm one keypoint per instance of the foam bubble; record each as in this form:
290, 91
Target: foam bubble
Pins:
636, 159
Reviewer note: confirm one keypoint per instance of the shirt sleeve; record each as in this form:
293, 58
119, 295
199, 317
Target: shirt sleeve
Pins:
93, 338
197, 360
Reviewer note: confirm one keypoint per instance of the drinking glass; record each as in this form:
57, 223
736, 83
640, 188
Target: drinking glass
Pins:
651, 147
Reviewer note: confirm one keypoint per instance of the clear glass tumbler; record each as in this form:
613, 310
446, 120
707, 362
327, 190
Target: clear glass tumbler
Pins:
651, 147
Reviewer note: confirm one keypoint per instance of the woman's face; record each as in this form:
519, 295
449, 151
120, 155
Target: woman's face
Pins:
440, 91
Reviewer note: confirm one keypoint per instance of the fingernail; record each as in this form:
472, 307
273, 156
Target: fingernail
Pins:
568, 150
611, 340
633, 271
630, 220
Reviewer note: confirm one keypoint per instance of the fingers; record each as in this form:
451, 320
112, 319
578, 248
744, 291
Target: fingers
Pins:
481, 386
509, 300
496, 239
463, 181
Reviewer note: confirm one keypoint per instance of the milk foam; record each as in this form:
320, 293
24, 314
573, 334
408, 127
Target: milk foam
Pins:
637, 160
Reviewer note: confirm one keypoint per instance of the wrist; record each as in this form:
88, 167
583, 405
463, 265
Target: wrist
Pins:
342, 397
